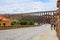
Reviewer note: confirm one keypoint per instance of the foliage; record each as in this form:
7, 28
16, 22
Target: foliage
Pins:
14, 22
31, 22
23, 22
26, 22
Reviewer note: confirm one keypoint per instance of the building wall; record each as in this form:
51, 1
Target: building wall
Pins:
7, 23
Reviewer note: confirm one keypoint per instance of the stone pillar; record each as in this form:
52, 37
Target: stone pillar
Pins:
39, 14
45, 16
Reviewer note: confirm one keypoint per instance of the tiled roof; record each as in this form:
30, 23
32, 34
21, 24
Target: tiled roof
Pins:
4, 19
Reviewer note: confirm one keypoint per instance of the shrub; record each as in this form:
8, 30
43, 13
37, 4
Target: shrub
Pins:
26, 22
14, 22
23, 22
31, 22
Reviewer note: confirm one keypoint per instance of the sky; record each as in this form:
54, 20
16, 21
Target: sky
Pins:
22, 6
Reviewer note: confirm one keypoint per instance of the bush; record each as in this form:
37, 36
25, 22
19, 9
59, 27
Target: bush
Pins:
26, 22
31, 22
14, 22
23, 22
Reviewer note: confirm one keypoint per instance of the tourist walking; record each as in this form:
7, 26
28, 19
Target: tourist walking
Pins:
53, 25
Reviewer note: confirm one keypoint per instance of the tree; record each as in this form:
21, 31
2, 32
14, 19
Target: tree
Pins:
26, 22
23, 22
31, 22
14, 22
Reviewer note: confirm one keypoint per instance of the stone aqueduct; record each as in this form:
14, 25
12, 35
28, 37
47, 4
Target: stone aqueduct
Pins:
40, 17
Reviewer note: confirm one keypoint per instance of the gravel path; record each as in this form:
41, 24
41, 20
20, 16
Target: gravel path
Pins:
32, 33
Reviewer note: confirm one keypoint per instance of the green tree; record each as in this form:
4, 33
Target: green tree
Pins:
15, 22
31, 22
23, 22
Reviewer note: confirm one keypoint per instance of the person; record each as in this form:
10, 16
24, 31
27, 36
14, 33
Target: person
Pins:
53, 25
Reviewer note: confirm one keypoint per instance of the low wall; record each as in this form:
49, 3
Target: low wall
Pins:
16, 26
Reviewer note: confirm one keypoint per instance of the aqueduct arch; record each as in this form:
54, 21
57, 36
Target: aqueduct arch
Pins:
40, 17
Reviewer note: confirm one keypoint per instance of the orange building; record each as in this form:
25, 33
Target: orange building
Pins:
4, 21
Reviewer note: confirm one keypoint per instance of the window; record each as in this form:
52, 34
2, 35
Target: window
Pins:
0, 19
4, 24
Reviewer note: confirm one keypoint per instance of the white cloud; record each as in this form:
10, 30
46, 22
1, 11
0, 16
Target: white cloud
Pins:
18, 6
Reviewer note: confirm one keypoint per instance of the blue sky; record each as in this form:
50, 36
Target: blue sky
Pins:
21, 6
42, 0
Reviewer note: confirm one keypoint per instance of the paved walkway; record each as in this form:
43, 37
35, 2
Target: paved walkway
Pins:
47, 35
33, 33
